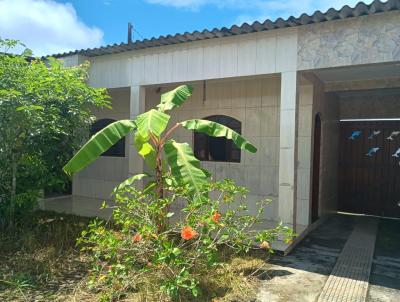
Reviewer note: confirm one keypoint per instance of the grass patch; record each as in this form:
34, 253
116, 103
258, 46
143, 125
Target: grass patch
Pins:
40, 262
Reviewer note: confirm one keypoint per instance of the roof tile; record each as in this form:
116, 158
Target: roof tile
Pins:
361, 9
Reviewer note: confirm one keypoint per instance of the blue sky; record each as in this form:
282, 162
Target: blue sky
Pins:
53, 26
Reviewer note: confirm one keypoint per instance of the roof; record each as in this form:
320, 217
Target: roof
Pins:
361, 9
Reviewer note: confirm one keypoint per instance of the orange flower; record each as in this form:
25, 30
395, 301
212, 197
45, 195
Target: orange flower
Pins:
265, 245
137, 237
188, 233
216, 216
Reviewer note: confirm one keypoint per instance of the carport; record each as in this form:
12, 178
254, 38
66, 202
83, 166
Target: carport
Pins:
355, 164
356, 141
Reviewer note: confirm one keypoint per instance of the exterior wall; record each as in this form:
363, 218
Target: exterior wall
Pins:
328, 106
288, 147
353, 41
73, 60
251, 54
313, 100
255, 103
381, 104
98, 179
304, 159
362, 40
242, 82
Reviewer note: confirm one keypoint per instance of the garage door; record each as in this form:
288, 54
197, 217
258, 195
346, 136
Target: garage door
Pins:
369, 167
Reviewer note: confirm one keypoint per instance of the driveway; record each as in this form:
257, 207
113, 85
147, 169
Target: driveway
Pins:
385, 275
301, 275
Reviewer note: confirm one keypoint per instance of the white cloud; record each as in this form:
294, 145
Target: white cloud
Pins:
196, 4
181, 3
252, 10
45, 26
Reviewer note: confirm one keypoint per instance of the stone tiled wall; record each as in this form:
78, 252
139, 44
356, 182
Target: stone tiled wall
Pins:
328, 106
313, 100
304, 143
363, 40
255, 103
98, 179
268, 52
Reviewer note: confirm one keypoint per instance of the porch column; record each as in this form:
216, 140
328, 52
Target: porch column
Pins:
288, 147
137, 106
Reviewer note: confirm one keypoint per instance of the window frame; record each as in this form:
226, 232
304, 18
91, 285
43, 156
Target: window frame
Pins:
118, 149
230, 149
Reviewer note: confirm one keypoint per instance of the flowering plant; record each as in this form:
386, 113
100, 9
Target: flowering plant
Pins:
152, 248
134, 250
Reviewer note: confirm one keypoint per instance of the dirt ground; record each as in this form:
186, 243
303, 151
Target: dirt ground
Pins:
299, 276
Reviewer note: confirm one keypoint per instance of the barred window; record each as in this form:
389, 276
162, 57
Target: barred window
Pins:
118, 150
207, 148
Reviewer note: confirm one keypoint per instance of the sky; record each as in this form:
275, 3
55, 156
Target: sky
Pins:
56, 26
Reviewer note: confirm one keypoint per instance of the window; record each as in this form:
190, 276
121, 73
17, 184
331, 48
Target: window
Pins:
118, 150
209, 148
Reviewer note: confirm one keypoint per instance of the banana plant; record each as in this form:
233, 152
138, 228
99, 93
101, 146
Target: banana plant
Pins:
154, 143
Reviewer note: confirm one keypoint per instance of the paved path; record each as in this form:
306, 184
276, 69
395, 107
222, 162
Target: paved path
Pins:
348, 281
302, 275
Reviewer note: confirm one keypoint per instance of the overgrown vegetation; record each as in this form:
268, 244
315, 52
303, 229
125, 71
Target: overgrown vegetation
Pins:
152, 254
42, 263
39, 260
174, 263
44, 118
153, 250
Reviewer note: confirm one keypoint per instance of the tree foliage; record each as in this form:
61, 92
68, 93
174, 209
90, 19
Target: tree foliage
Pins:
44, 118
153, 141
133, 260
175, 251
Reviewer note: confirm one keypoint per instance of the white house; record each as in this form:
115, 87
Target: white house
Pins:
296, 88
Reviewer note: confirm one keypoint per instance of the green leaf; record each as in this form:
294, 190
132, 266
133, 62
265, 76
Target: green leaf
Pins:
152, 121
217, 130
30, 107
129, 181
175, 98
145, 150
149, 187
99, 143
184, 166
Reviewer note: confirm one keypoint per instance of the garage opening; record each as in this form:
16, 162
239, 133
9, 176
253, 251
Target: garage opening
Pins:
369, 167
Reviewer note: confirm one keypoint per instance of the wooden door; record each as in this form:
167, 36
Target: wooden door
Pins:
369, 167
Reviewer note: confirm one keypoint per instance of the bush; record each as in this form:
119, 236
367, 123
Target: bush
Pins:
45, 115
144, 254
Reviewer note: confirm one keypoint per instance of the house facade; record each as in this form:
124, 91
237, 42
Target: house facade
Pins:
291, 86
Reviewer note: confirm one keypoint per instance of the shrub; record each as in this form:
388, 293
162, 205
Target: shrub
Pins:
135, 256
45, 113
153, 249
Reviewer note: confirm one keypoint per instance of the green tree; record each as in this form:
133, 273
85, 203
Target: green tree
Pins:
146, 249
154, 143
44, 118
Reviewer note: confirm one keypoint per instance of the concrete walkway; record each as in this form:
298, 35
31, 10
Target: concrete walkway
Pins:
304, 274
348, 281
